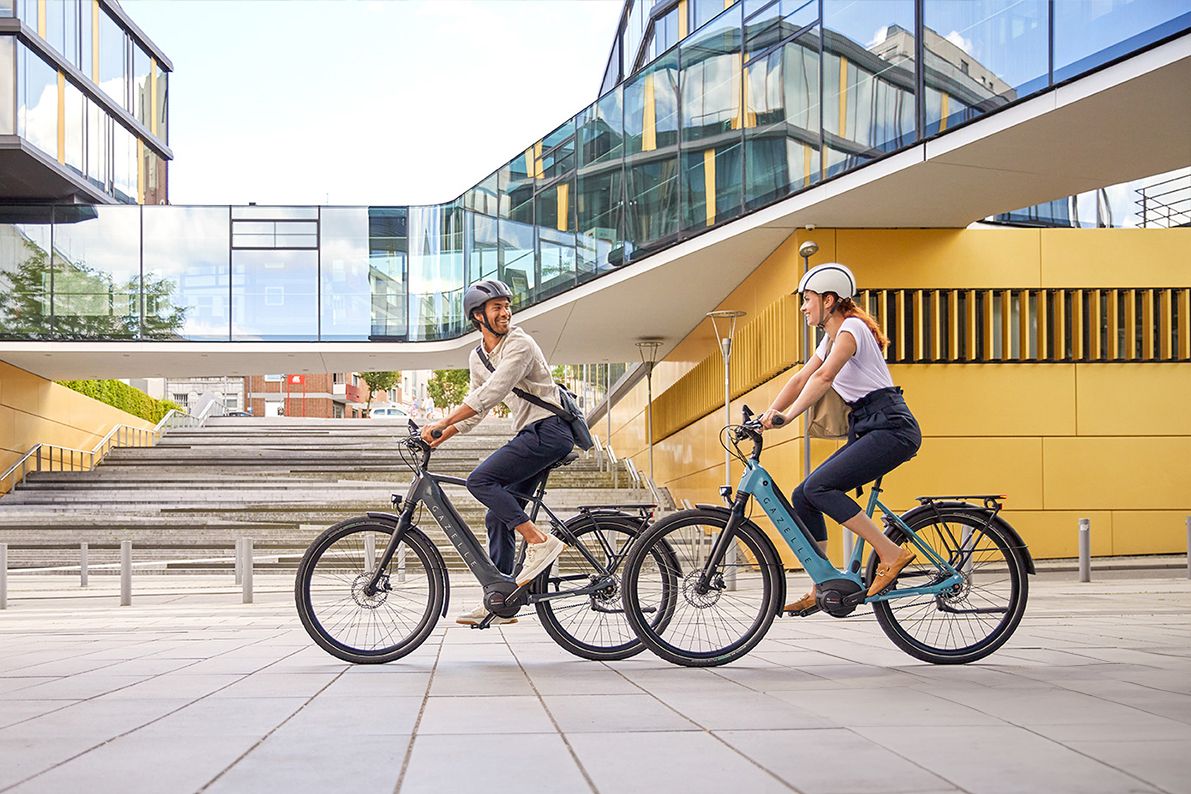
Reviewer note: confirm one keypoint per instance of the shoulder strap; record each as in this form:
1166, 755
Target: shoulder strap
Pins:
522, 393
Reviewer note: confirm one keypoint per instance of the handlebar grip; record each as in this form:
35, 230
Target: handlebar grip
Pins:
778, 420
436, 434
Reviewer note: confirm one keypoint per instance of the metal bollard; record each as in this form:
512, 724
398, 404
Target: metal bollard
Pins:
125, 573
849, 546
239, 563
1085, 550
3, 576
83, 562
246, 573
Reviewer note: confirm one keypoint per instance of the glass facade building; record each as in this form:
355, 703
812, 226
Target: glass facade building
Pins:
85, 90
745, 106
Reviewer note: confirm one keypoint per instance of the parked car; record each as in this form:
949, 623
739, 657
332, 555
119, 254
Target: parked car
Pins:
388, 412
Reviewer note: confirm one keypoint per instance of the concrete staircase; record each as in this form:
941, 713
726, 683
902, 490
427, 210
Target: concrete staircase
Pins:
280, 481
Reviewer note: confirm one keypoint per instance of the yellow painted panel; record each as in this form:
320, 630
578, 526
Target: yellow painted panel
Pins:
1053, 534
1122, 473
1011, 466
990, 399
1149, 532
1133, 399
1114, 257
930, 258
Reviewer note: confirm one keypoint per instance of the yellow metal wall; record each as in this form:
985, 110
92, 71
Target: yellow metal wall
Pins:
1064, 439
34, 410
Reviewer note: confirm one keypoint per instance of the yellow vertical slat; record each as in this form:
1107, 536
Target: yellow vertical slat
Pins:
953, 326
1114, 325
41, 18
1006, 325
1095, 321
1077, 321
1060, 324
882, 316
843, 97
1129, 324
1024, 317
990, 327
902, 342
709, 184
1147, 324
936, 330
61, 114
529, 166
564, 205
538, 172
1165, 323
970, 323
919, 326
1184, 324
682, 19
649, 132
1044, 325
944, 110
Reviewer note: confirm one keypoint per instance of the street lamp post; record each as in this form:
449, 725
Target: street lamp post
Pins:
728, 317
648, 348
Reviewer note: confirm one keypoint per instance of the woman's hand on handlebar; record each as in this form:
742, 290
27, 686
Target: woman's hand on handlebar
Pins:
771, 419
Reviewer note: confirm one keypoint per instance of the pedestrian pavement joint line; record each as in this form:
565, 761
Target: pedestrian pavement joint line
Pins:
413, 735
152, 721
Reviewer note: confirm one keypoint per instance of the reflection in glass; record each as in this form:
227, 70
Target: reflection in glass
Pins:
868, 80
601, 130
142, 100
1088, 35
163, 115
651, 156
556, 239
436, 272
346, 294
37, 114
554, 155
74, 109
598, 198
767, 24
518, 260
703, 11
782, 139
124, 164
112, 77
388, 259
97, 272
8, 86
25, 273
186, 273
99, 127
981, 55
712, 123
484, 249
274, 295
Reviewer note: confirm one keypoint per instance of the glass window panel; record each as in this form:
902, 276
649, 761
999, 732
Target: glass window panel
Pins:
6, 8
651, 107
55, 24
518, 259
601, 130
634, 32
713, 120
484, 251
99, 127
37, 118
388, 260
112, 48
346, 292
484, 197
124, 164
436, 272
70, 34
85, 43
981, 55
665, 33
558, 262
703, 11
612, 74
556, 155
27, 11
274, 295
25, 273
142, 101
868, 80
1090, 34
651, 162
516, 187
253, 212
187, 272
97, 272
774, 22
599, 210
163, 115
8, 85
74, 112
782, 138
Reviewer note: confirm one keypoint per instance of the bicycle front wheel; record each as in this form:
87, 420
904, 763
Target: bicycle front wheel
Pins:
343, 618
978, 615
594, 626
688, 621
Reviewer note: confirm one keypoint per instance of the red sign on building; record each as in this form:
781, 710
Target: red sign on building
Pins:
295, 380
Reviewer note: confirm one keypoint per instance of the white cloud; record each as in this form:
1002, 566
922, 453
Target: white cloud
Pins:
959, 41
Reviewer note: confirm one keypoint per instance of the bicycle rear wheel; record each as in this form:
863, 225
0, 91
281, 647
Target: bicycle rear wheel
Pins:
594, 626
697, 626
980, 614
357, 627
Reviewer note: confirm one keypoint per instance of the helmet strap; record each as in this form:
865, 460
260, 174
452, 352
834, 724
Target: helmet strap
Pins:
488, 325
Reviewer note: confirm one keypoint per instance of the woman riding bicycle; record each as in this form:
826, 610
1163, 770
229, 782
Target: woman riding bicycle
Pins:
882, 433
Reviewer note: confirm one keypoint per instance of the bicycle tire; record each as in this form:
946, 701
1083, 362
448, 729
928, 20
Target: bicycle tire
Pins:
910, 622
428, 574
754, 605
595, 628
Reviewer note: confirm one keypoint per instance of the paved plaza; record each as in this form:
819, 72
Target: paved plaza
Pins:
184, 693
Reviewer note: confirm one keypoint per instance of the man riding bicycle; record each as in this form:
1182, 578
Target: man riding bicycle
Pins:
507, 359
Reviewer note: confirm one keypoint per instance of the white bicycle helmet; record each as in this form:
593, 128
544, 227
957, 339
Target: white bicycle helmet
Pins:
831, 277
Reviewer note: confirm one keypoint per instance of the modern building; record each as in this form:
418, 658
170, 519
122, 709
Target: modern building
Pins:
725, 135
84, 107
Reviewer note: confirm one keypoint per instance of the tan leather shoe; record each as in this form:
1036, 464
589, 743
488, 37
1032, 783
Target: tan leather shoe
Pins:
887, 573
806, 602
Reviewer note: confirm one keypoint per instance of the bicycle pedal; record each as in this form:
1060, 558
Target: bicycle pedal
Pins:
802, 613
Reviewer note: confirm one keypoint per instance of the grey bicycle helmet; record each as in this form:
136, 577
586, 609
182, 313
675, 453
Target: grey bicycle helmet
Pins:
480, 293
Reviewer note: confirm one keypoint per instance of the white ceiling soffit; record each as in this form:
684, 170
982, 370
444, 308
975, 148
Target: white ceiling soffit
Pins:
1124, 122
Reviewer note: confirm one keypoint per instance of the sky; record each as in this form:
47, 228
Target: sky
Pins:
366, 101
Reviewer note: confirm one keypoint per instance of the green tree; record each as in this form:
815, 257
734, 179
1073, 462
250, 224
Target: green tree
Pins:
448, 387
379, 381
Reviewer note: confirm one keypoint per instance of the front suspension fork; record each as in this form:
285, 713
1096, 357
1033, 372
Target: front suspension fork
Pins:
723, 541
403, 525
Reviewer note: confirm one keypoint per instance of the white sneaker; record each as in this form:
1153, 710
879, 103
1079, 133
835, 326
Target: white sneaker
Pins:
538, 557
478, 614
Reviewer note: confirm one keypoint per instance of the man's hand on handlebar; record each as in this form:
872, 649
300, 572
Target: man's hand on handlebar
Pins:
436, 433
771, 419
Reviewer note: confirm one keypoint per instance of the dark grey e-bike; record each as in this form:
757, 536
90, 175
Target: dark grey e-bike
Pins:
371, 588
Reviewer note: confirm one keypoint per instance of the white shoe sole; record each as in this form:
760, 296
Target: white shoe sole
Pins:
529, 574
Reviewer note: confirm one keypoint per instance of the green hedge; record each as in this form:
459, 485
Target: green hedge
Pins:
122, 396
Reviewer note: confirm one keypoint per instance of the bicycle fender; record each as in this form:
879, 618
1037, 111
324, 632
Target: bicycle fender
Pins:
1015, 538
444, 576
775, 559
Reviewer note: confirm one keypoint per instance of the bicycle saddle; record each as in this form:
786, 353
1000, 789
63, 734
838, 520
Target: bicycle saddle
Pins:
571, 457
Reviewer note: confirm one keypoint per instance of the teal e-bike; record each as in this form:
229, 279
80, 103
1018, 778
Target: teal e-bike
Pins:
724, 581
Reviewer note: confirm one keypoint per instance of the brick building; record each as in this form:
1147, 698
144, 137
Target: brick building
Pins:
328, 395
